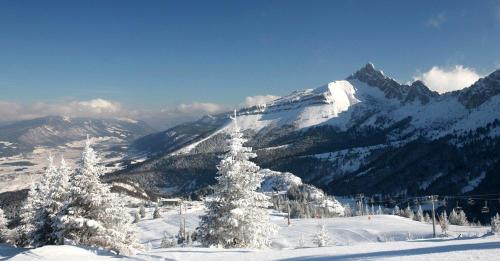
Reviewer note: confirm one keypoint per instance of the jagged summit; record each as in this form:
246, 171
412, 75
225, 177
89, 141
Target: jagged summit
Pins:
368, 73
480, 91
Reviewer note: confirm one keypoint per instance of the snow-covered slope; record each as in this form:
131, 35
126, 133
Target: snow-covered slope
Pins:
380, 237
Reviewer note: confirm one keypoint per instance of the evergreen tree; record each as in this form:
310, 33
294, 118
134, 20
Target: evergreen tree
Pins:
408, 213
459, 219
379, 210
321, 238
137, 217
167, 241
396, 210
236, 212
443, 223
94, 216
156, 213
40, 210
142, 211
3, 227
189, 241
347, 210
427, 218
495, 224
420, 214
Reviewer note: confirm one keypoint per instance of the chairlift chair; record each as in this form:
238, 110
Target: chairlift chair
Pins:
485, 209
470, 201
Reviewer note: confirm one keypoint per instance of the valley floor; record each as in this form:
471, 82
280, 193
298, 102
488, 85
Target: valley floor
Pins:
382, 237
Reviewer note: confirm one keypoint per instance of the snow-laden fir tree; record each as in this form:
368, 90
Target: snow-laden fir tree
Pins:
142, 211
167, 241
3, 227
444, 223
94, 216
458, 218
419, 216
396, 211
347, 210
137, 217
379, 210
236, 212
156, 213
427, 218
495, 224
321, 238
45, 200
408, 213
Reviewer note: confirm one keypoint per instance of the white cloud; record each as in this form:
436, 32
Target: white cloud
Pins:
72, 108
436, 21
448, 79
199, 107
258, 99
159, 118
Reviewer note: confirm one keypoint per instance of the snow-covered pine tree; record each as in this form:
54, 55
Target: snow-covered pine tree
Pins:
94, 216
347, 210
156, 213
419, 216
462, 219
58, 197
167, 241
25, 228
3, 227
321, 238
367, 210
408, 213
137, 217
443, 223
189, 241
379, 210
458, 218
236, 212
495, 224
142, 211
42, 205
181, 235
427, 218
396, 211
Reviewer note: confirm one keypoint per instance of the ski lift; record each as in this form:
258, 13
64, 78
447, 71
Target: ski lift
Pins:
470, 201
458, 208
485, 209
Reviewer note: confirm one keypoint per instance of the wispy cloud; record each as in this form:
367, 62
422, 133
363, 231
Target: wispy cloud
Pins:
436, 21
159, 118
448, 79
258, 99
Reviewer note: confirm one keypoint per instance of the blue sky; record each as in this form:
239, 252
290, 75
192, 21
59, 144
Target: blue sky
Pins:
152, 54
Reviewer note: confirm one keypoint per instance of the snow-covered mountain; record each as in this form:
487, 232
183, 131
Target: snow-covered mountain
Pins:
367, 133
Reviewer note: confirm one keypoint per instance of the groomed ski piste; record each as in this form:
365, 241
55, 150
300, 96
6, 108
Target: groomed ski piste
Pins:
375, 237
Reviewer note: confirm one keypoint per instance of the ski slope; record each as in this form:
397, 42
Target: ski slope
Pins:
382, 237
